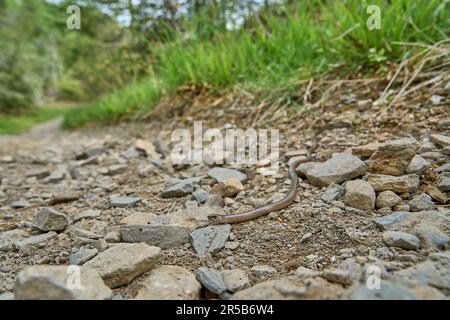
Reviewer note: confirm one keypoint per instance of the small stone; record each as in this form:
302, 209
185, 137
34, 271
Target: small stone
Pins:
222, 174
19, 204
441, 140
211, 279
124, 202
333, 192
8, 238
304, 167
200, 195
401, 239
163, 236
181, 188
263, 270
116, 169
86, 214
387, 199
341, 167
444, 184
393, 157
337, 276
359, 194
139, 218
232, 245
210, 240
38, 173
228, 188
82, 256
30, 242
417, 165
235, 280
401, 184
101, 245
303, 272
50, 220
402, 207
443, 168
130, 153
421, 202
43, 282
169, 283
65, 197
113, 237
434, 193
431, 237
123, 262
367, 150
95, 151
305, 237
215, 200
436, 99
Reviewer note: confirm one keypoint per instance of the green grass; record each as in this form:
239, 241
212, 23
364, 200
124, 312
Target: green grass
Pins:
17, 124
285, 44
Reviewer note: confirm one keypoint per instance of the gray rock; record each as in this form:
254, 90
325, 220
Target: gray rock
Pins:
130, 153
86, 214
8, 238
388, 291
304, 167
222, 174
401, 240
440, 139
137, 218
228, 188
407, 221
393, 157
65, 197
123, 262
436, 99
124, 202
341, 167
263, 270
402, 207
89, 153
359, 194
30, 242
417, 165
169, 283
56, 176
367, 150
421, 202
200, 195
116, 169
444, 184
78, 230
211, 279
19, 204
337, 276
333, 192
401, 184
387, 199
163, 236
43, 282
431, 237
235, 280
181, 188
215, 200
432, 272
443, 168
82, 256
49, 219
210, 240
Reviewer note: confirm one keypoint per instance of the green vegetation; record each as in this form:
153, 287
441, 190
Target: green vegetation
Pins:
275, 46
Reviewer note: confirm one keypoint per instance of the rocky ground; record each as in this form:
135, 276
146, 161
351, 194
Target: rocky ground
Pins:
373, 202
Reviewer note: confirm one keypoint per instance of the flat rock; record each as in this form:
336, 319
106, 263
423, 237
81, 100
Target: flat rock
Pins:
8, 238
444, 184
387, 199
82, 256
359, 194
44, 282
181, 188
421, 202
200, 195
434, 193
367, 150
443, 168
235, 279
123, 262
86, 214
32, 241
65, 197
337, 276
49, 219
169, 283
163, 236
440, 139
138, 218
432, 237
417, 165
39, 173
222, 174
211, 279
401, 240
19, 204
401, 184
388, 291
228, 188
393, 157
303, 168
263, 270
124, 202
210, 240
333, 192
341, 167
